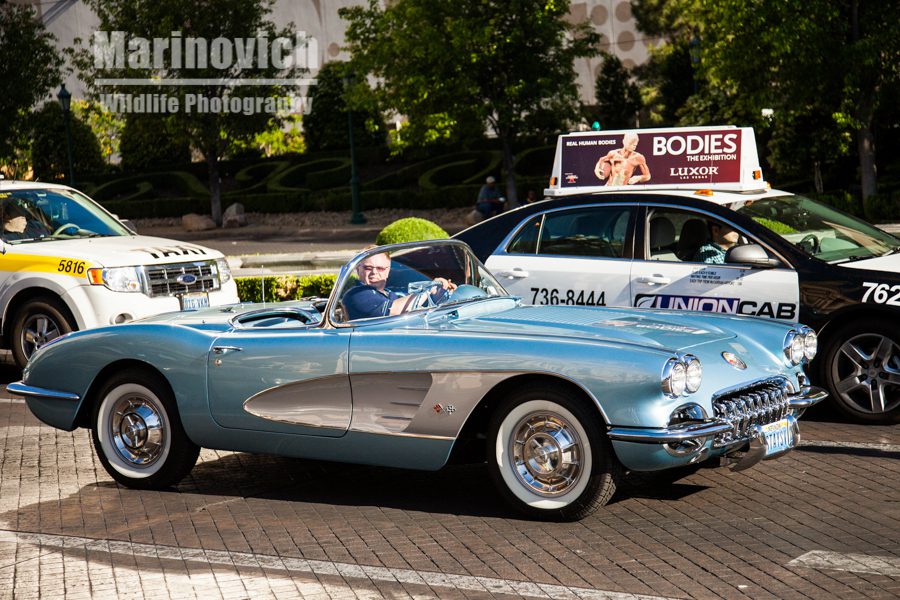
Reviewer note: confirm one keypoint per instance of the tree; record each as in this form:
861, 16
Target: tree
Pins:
148, 142
238, 44
326, 124
29, 70
810, 63
48, 145
618, 98
501, 64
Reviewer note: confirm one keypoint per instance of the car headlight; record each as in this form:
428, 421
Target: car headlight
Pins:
224, 271
681, 376
693, 373
118, 279
810, 343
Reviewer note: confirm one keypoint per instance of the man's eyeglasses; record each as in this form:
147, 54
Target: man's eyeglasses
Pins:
370, 269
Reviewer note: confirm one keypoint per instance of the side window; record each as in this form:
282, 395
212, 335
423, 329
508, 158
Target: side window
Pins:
591, 232
526, 240
677, 235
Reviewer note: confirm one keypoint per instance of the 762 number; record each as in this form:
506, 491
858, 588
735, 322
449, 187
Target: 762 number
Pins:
881, 293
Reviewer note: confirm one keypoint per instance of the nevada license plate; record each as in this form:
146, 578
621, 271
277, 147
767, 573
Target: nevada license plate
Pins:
194, 301
779, 436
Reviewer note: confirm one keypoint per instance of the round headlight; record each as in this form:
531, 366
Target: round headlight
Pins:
693, 373
810, 344
797, 349
679, 379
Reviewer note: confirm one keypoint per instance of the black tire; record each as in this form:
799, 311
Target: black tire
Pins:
542, 479
35, 323
861, 369
138, 434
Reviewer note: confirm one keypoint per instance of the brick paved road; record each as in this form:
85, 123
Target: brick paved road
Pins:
823, 522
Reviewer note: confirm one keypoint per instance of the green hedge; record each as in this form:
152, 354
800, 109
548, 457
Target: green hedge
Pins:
280, 288
410, 229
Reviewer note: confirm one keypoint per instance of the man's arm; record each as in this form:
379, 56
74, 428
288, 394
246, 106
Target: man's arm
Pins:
645, 170
602, 168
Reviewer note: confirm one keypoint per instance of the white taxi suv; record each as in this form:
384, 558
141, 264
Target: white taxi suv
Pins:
682, 219
66, 264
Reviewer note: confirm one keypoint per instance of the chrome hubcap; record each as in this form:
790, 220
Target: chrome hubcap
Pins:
866, 372
547, 453
137, 430
38, 330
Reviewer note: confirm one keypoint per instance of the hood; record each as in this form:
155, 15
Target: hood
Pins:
889, 263
119, 251
665, 331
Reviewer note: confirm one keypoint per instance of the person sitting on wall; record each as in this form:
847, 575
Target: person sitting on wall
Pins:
490, 202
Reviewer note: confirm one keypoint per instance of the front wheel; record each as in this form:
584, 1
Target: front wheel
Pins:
549, 456
35, 323
138, 433
861, 368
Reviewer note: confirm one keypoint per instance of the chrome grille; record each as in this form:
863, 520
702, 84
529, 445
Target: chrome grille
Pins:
759, 403
162, 280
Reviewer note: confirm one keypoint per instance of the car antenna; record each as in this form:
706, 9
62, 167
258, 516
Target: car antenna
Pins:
262, 284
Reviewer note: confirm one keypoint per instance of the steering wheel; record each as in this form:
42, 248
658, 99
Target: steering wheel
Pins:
810, 243
65, 226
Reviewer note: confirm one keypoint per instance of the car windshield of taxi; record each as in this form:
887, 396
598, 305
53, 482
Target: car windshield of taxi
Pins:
820, 230
46, 214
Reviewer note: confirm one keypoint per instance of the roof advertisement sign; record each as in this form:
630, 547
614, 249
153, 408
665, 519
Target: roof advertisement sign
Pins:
679, 156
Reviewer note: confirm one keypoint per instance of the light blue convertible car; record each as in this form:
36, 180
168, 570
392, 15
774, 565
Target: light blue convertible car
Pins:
559, 400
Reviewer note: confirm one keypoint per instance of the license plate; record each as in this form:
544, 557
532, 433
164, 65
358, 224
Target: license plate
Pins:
779, 437
194, 301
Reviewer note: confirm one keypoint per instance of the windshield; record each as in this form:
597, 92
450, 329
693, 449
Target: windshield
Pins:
395, 281
820, 230
53, 214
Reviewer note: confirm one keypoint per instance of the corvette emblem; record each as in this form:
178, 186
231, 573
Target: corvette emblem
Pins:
449, 409
734, 361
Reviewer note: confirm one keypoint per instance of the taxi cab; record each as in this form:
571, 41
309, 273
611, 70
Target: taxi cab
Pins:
682, 219
67, 264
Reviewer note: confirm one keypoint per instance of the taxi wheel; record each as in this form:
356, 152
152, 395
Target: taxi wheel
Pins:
35, 323
137, 432
861, 369
549, 456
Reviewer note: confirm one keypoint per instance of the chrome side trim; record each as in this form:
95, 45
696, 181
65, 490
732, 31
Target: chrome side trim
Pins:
19, 388
678, 433
806, 397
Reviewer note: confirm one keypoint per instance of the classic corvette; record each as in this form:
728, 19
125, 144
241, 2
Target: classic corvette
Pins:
559, 401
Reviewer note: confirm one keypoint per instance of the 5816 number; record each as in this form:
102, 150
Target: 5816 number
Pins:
74, 267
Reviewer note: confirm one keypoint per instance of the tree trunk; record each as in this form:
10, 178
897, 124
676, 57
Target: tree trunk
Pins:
865, 144
215, 189
512, 199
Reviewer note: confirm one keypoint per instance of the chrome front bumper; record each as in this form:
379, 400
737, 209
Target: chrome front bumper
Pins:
19, 388
806, 397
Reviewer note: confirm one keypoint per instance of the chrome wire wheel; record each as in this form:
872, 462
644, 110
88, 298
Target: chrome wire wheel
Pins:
37, 331
547, 454
137, 430
865, 372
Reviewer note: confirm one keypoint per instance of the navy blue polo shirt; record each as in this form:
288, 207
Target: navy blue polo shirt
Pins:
364, 301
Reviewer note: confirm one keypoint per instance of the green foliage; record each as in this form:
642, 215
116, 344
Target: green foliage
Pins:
48, 146
29, 69
151, 141
883, 207
451, 66
212, 133
281, 288
411, 229
326, 125
776, 226
618, 98
106, 125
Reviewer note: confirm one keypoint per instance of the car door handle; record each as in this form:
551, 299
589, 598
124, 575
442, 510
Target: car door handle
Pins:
514, 274
225, 349
655, 280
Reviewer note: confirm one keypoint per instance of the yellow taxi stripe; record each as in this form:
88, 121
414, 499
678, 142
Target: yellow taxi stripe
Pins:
44, 264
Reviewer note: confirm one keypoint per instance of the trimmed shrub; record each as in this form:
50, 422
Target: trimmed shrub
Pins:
49, 153
883, 207
410, 229
280, 288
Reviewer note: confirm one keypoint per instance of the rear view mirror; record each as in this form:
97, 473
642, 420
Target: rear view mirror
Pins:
129, 225
751, 254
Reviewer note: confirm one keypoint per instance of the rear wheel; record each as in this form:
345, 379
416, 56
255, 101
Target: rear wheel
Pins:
549, 456
138, 433
861, 369
35, 323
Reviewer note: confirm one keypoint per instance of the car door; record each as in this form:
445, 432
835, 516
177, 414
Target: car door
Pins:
669, 272
282, 377
579, 256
